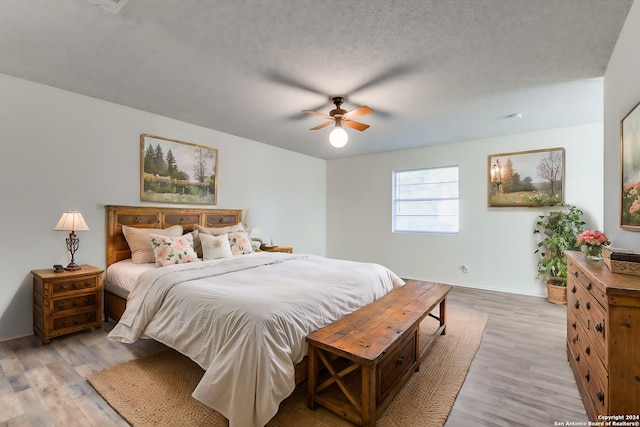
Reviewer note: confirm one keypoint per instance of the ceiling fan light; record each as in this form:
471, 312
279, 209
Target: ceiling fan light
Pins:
338, 137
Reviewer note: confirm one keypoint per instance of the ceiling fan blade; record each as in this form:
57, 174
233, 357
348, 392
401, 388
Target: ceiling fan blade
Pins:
322, 126
318, 114
360, 111
355, 125
392, 73
276, 77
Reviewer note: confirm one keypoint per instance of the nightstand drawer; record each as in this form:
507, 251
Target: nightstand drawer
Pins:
74, 285
77, 321
74, 302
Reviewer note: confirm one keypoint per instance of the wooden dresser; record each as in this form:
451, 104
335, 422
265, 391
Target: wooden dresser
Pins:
66, 302
603, 336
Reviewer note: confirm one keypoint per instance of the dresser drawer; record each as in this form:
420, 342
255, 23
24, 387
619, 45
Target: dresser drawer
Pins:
596, 380
59, 305
396, 364
593, 288
584, 309
576, 341
78, 320
83, 283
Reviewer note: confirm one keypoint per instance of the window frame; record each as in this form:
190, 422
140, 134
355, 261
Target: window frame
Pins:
395, 200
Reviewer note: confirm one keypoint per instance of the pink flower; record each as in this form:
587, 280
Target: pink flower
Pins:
593, 238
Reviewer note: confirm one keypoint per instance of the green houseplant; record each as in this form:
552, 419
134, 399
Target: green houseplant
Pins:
558, 232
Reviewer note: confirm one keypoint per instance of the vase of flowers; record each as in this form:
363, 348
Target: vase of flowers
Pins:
591, 243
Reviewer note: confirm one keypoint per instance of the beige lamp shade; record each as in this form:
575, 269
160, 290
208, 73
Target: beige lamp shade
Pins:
71, 221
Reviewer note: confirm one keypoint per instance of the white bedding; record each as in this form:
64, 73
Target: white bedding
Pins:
121, 276
244, 320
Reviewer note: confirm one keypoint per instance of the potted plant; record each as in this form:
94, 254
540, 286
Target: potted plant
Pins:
558, 232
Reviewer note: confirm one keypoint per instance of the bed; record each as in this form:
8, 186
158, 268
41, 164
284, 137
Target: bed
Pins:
244, 318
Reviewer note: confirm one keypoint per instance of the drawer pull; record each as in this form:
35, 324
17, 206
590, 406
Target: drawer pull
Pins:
399, 361
573, 325
588, 350
577, 358
221, 220
573, 290
575, 339
577, 304
75, 285
86, 300
599, 327
87, 283
60, 305
589, 286
600, 396
588, 305
587, 376
75, 302
75, 321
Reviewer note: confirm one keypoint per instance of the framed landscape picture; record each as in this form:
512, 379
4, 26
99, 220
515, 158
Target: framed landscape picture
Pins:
174, 171
527, 178
630, 159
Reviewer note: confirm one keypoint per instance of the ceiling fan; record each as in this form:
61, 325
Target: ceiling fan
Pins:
338, 136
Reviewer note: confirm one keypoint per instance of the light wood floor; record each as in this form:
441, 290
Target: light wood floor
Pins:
519, 377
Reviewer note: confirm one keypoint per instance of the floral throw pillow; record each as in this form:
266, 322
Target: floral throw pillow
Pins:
240, 243
215, 247
173, 250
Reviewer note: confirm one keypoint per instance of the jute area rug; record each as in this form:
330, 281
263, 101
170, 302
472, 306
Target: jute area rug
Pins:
156, 390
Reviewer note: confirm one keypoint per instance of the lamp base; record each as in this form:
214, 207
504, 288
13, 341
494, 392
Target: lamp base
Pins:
72, 267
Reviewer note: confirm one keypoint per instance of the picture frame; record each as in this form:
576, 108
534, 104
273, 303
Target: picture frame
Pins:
173, 171
527, 178
630, 170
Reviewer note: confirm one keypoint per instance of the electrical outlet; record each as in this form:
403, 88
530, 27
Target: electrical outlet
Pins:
465, 268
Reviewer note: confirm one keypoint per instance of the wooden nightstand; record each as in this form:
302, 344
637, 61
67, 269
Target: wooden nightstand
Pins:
277, 248
66, 302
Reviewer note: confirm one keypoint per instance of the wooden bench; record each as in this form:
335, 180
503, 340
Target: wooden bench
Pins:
383, 340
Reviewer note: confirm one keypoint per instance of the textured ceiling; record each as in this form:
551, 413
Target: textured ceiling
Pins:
434, 71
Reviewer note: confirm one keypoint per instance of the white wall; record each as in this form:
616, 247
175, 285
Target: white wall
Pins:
62, 151
496, 243
621, 94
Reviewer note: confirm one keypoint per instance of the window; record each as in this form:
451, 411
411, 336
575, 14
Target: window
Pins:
426, 200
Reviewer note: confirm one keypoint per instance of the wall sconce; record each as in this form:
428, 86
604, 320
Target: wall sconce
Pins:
72, 221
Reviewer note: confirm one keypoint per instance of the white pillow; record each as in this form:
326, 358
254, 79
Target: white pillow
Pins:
140, 242
215, 247
216, 231
173, 250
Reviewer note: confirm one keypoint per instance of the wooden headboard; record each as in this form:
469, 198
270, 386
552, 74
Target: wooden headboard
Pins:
159, 217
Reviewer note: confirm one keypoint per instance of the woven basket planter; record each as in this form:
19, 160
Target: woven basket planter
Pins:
556, 294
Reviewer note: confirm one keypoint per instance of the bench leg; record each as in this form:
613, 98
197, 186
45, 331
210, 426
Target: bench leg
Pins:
443, 309
368, 395
312, 379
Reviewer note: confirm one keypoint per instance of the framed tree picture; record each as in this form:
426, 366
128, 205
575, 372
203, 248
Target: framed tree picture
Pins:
527, 178
174, 171
630, 159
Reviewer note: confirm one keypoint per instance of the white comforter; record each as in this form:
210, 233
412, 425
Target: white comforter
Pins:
244, 320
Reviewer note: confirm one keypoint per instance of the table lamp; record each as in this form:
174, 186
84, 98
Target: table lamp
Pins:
72, 221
